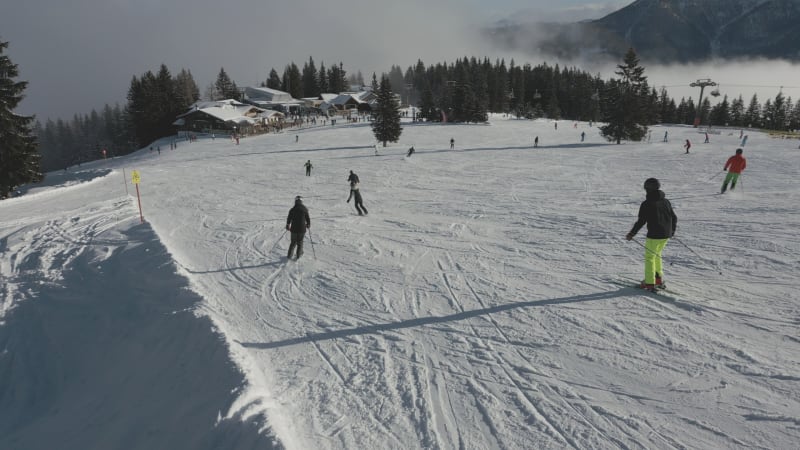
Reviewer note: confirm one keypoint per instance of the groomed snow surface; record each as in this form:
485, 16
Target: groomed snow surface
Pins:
481, 304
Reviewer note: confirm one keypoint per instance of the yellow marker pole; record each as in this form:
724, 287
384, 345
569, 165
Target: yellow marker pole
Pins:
136, 180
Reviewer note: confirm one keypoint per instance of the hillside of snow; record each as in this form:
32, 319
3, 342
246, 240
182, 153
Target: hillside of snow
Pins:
482, 303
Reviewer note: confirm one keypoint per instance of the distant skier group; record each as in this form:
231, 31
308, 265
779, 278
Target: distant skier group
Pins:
655, 212
299, 221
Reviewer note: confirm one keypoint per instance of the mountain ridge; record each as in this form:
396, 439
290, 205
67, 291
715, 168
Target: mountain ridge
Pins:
670, 31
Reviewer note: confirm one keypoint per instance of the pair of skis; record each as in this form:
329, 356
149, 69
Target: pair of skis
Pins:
631, 283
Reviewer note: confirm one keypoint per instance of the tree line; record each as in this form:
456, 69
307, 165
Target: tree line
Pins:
465, 90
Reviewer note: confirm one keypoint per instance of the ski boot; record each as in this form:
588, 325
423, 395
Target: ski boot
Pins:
660, 282
647, 287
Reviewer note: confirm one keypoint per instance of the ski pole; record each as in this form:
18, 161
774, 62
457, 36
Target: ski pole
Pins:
645, 247
696, 254
312, 243
715, 175
276, 242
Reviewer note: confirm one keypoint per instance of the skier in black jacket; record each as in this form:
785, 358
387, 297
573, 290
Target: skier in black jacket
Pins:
297, 223
656, 211
355, 192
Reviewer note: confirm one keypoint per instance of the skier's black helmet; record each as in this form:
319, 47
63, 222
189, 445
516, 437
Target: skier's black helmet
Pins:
298, 199
739, 151
651, 184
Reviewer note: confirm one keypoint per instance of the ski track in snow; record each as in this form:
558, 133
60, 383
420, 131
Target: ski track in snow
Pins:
479, 303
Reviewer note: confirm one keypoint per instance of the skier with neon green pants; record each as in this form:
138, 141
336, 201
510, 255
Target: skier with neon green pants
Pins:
656, 211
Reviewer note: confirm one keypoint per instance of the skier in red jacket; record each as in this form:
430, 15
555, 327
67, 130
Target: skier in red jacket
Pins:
735, 165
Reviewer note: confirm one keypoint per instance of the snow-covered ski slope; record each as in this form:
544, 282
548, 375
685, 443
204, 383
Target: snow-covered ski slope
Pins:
477, 306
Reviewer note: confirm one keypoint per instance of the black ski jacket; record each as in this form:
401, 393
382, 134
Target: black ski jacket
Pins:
353, 179
656, 211
298, 219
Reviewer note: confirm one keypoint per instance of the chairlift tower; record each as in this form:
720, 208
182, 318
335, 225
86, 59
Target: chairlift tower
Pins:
702, 85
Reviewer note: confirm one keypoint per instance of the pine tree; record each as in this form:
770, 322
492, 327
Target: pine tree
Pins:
720, 113
274, 80
310, 81
375, 86
396, 79
691, 112
427, 105
292, 81
19, 154
794, 118
779, 115
625, 115
186, 91
386, 126
737, 112
342, 79
767, 115
322, 82
752, 116
226, 88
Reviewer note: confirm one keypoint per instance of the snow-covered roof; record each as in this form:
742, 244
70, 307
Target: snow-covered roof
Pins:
270, 113
202, 104
226, 111
267, 94
342, 99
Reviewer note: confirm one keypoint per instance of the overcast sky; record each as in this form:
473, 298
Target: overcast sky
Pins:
81, 54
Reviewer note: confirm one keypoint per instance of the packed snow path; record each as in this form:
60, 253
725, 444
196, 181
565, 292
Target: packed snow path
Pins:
479, 303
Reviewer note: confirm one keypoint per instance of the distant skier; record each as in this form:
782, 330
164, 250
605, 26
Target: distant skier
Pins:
296, 137
452, 143
356, 192
555, 124
666, 133
744, 140
706, 141
583, 135
656, 211
536, 142
410, 152
297, 223
308, 167
735, 165
376, 149
687, 146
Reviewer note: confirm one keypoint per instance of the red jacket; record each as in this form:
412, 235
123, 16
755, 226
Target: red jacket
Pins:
737, 163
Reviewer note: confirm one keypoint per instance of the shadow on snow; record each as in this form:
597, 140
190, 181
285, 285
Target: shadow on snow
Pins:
422, 321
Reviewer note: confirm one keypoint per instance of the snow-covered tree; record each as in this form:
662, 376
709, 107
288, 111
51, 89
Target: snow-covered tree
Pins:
19, 154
